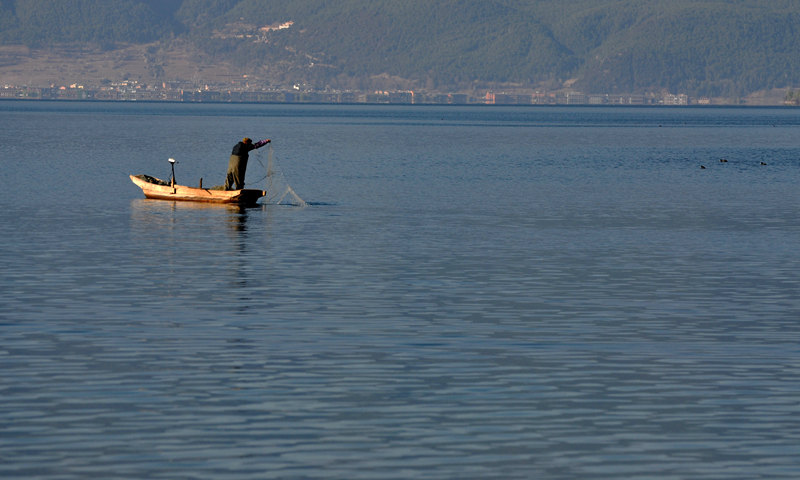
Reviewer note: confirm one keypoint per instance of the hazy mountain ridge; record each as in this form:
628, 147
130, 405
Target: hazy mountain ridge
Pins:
700, 47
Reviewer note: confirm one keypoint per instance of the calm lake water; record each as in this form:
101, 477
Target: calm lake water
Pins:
473, 292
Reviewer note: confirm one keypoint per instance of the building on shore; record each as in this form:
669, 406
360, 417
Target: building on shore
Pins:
183, 91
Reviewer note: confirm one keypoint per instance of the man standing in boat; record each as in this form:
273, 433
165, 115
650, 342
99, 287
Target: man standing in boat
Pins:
237, 165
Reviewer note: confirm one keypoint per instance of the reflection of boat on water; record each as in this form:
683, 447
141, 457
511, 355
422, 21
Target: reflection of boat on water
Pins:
153, 187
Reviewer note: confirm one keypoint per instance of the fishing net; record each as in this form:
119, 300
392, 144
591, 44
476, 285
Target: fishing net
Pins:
279, 192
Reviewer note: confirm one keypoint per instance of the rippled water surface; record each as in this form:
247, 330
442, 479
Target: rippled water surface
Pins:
553, 293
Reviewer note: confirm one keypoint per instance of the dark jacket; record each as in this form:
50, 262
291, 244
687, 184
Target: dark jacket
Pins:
242, 149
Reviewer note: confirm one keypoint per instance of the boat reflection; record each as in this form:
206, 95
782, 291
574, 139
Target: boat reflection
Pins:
192, 236
147, 213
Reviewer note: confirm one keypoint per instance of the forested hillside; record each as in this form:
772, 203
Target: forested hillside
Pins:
701, 47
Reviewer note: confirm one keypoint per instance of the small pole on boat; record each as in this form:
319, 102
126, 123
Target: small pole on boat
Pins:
172, 164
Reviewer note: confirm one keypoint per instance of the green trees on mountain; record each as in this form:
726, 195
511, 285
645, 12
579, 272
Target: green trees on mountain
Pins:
47, 22
701, 47
708, 48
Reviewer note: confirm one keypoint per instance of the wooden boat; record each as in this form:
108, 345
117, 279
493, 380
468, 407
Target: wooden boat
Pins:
156, 188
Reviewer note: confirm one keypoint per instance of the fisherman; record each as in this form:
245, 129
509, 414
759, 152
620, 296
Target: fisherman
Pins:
237, 165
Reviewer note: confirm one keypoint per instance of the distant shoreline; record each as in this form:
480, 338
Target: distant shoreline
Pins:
379, 104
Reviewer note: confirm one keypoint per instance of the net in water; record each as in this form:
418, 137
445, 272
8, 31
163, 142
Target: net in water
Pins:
279, 192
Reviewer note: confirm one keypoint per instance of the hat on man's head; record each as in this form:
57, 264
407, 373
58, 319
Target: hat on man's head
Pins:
245, 140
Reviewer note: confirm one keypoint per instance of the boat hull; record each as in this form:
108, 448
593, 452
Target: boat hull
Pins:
164, 191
